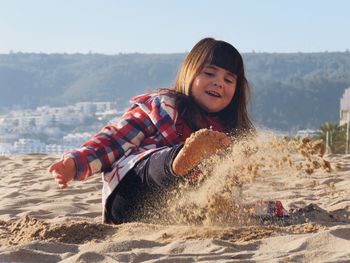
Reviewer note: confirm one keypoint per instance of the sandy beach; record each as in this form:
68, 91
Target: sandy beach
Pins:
41, 223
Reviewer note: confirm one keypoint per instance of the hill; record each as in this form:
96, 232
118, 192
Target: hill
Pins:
289, 91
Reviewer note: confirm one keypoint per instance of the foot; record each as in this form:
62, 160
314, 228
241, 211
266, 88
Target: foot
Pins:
198, 147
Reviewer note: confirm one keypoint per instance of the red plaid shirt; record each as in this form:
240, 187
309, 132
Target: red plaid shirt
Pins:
150, 124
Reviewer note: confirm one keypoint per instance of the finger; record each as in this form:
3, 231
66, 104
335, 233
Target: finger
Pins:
63, 185
59, 178
60, 181
55, 166
58, 175
51, 168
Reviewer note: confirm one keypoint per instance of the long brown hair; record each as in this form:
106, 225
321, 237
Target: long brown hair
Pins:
222, 54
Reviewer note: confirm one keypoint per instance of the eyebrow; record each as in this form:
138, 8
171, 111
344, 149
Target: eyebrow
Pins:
216, 68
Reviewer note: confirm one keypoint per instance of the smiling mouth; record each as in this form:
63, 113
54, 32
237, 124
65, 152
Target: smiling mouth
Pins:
213, 93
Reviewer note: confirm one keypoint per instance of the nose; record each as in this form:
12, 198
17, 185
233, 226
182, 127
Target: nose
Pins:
218, 83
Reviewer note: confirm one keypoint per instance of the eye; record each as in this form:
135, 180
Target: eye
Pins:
208, 73
230, 81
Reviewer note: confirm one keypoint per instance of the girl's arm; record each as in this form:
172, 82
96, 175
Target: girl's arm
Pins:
114, 141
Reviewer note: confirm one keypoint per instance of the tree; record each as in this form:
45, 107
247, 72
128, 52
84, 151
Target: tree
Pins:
336, 134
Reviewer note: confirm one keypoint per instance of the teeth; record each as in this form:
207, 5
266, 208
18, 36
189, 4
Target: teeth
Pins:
213, 93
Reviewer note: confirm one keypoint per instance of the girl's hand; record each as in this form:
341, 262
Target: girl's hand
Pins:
199, 146
63, 171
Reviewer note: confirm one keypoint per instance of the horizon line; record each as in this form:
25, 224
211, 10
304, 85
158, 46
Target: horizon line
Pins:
163, 53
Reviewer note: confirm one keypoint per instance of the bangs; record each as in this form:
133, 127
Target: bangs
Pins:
227, 57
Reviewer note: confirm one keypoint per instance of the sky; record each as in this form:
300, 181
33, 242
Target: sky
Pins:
172, 26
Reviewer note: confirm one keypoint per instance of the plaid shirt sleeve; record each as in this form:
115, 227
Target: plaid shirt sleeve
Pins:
112, 142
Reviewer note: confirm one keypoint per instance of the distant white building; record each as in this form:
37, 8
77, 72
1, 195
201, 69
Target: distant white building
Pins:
105, 106
345, 107
90, 108
56, 149
76, 139
87, 108
25, 146
6, 148
46, 116
109, 114
306, 133
43, 120
18, 123
8, 138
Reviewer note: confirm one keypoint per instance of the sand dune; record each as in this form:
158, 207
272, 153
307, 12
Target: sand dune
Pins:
41, 223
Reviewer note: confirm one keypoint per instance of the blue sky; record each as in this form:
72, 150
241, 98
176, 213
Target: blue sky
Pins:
162, 26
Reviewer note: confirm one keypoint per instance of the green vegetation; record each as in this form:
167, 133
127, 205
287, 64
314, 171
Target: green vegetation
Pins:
289, 91
333, 136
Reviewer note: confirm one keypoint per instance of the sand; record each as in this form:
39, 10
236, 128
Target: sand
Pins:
41, 223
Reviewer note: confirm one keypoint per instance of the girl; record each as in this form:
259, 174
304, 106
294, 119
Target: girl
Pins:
143, 154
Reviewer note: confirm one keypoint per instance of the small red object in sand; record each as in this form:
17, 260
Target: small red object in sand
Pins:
272, 209
275, 208
279, 209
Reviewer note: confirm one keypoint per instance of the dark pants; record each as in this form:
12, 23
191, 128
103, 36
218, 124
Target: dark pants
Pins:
143, 188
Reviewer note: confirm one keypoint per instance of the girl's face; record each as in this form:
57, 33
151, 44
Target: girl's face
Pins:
213, 88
